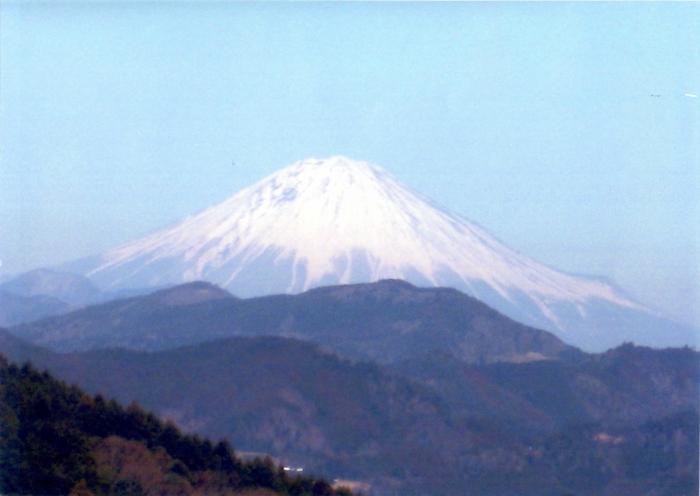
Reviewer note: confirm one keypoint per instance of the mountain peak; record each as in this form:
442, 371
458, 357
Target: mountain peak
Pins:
331, 176
338, 162
190, 293
321, 222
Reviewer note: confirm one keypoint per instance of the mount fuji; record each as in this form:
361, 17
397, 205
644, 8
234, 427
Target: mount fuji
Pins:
337, 221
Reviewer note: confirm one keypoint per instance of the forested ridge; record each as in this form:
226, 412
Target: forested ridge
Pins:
621, 423
56, 439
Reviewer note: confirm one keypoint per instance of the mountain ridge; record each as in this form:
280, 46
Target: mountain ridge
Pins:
58, 440
502, 426
339, 221
383, 321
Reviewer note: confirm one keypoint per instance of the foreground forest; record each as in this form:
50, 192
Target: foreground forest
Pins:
623, 423
55, 439
393, 389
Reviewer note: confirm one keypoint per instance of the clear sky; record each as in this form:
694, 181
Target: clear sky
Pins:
535, 120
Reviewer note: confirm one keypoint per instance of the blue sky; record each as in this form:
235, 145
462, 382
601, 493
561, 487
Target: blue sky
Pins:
535, 120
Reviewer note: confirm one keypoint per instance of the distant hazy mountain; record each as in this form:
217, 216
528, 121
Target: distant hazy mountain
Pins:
15, 309
44, 292
623, 423
338, 221
71, 288
383, 321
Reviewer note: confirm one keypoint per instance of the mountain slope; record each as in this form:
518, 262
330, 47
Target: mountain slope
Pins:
339, 221
15, 309
43, 292
70, 288
623, 422
383, 321
628, 384
55, 439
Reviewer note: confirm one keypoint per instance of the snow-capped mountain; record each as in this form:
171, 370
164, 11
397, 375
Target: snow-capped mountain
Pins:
322, 222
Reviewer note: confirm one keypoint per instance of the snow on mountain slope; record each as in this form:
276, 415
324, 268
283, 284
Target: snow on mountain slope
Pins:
320, 222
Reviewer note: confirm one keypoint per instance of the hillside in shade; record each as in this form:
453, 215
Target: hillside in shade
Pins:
623, 422
340, 221
15, 309
383, 321
57, 440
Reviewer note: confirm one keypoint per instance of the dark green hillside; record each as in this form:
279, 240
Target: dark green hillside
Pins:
594, 425
281, 396
55, 439
384, 321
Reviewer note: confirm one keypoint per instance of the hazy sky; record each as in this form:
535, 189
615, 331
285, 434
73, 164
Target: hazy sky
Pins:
535, 120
